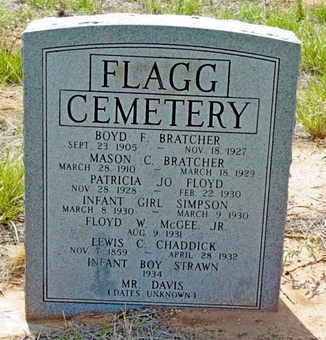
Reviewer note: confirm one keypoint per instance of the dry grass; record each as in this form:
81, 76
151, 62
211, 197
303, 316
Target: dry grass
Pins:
130, 325
297, 227
12, 266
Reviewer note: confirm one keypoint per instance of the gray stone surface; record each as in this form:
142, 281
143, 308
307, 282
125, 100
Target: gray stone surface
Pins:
157, 152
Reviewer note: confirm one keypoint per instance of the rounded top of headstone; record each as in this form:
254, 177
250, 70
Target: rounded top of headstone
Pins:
126, 19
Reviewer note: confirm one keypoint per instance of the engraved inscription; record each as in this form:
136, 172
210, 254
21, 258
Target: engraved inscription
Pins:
161, 177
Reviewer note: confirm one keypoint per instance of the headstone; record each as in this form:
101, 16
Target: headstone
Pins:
157, 152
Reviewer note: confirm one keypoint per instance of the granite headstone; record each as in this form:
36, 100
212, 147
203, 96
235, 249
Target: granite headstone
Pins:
157, 154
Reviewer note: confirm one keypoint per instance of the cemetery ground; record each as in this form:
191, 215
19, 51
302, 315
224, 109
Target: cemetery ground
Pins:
301, 309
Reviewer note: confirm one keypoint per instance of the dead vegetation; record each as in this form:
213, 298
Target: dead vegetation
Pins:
12, 266
135, 324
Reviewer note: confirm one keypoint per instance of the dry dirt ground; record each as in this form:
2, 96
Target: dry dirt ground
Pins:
301, 311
